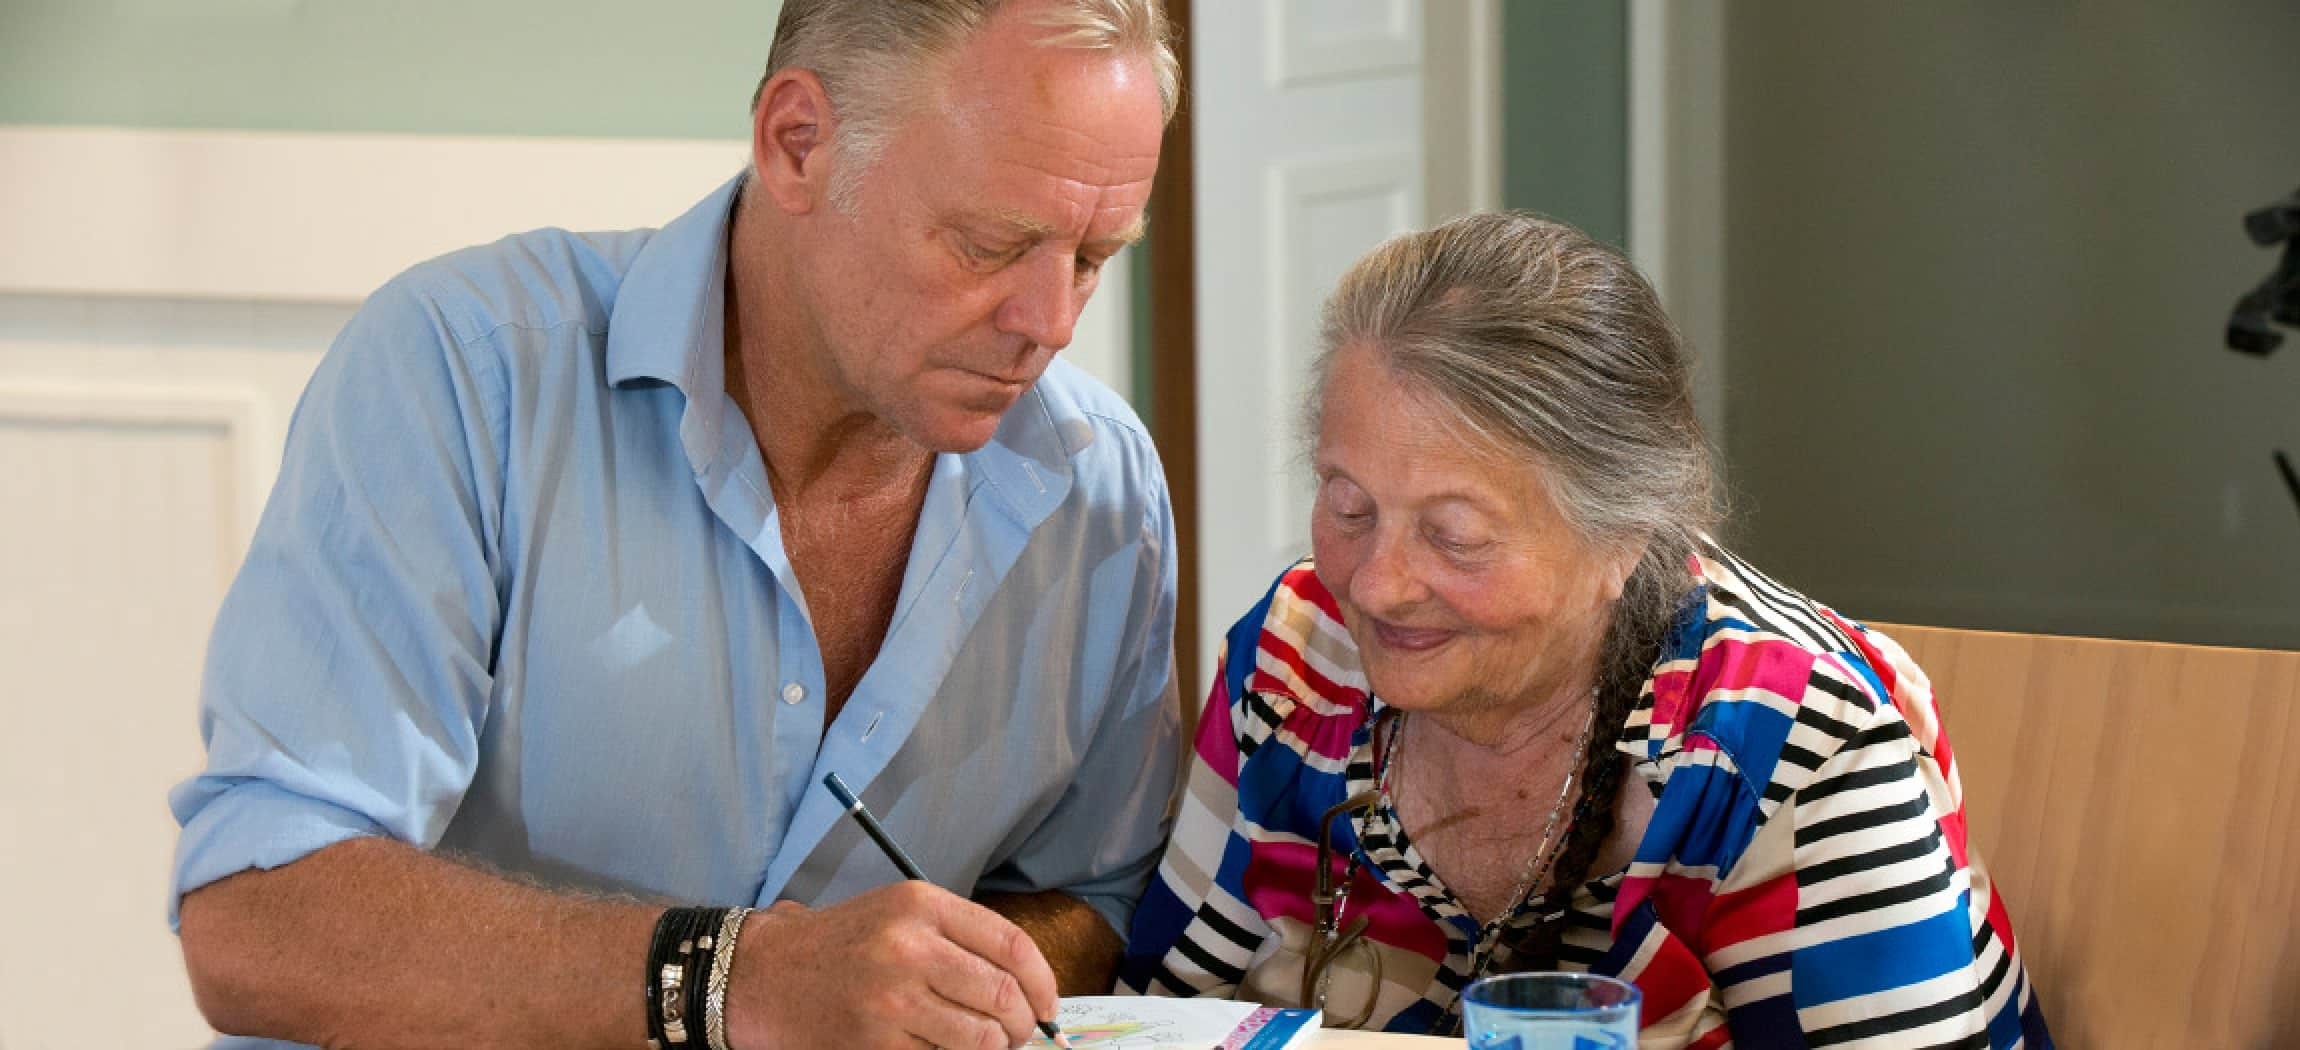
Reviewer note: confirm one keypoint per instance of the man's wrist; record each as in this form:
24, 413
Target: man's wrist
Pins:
760, 938
722, 966
688, 960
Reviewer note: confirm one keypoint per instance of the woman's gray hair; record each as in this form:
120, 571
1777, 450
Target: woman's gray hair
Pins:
1550, 348
872, 54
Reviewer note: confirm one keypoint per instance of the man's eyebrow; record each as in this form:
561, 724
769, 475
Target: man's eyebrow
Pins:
1035, 229
1133, 232
1024, 225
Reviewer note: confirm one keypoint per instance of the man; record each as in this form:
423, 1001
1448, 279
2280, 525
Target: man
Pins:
592, 554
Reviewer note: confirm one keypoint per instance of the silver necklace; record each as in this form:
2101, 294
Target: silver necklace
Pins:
1538, 863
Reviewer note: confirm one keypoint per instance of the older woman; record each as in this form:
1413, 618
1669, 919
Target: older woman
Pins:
1519, 712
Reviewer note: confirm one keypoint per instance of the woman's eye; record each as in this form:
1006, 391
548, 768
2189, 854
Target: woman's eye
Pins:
1349, 513
1348, 505
1455, 545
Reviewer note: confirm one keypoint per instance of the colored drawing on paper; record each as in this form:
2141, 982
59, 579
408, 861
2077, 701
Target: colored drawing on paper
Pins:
1131, 1023
1119, 1035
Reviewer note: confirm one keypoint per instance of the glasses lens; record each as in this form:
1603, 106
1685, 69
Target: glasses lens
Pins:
1349, 1000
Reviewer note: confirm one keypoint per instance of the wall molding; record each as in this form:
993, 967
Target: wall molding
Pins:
308, 217
125, 215
1305, 46
246, 422
1384, 179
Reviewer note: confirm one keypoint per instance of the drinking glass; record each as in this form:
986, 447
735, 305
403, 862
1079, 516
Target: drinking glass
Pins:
1550, 1011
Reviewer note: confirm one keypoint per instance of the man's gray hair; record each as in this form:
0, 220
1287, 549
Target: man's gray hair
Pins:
872, 54
1552, 351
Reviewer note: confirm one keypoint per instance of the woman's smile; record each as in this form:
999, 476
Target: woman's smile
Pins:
1409, 639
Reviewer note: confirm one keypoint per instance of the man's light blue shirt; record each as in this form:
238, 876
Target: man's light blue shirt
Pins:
521, 595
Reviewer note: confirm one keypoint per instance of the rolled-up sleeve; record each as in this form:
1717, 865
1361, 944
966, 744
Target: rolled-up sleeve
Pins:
348, 674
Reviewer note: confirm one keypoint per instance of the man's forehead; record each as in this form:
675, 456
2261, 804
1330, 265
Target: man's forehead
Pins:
1039, 141
1038, 178
1092, 112
1015, 71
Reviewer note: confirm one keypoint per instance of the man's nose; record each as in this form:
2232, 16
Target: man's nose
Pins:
1044, 305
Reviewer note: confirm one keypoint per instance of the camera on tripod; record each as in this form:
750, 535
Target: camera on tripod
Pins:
2276, 299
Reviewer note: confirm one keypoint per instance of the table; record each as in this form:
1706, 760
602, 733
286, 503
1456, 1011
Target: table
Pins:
1337, 1039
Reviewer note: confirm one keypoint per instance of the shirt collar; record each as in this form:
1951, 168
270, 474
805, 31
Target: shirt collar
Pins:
669, 318
1027, 462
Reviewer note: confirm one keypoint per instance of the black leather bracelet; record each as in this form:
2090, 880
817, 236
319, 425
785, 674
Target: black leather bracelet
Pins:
699, 964
666, 936
674, 976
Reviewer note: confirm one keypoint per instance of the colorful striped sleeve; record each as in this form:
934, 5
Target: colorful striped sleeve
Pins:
1193, 934
1816, 797
1857, 932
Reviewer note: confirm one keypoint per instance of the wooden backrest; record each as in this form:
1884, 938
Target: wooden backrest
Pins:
2139, 806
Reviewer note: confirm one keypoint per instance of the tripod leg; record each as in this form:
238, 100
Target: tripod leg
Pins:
2291, 478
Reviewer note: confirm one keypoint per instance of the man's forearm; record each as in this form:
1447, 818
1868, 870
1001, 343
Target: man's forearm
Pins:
1075, 939
374, 943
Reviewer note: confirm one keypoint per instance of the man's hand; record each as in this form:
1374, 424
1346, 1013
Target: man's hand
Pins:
901, 966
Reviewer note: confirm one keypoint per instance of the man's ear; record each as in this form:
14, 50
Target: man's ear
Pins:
789, 132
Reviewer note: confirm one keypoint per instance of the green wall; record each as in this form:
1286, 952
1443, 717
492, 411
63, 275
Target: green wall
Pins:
591, 68
1565, 112
1979, 260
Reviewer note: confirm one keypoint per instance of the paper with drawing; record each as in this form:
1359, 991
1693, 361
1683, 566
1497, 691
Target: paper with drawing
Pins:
1125, 1022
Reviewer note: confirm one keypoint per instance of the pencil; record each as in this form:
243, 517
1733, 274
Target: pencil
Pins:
909, 867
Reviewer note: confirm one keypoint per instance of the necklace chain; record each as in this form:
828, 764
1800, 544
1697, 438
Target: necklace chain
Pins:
1537, 864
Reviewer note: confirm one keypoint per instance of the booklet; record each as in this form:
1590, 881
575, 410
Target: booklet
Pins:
1135, 1022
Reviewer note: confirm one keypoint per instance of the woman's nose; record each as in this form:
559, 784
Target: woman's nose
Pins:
1385, 580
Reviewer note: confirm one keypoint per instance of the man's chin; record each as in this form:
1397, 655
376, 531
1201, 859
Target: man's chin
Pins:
968, 425
959, 434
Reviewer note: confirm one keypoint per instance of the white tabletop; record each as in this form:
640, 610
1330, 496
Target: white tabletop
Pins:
1337, 1039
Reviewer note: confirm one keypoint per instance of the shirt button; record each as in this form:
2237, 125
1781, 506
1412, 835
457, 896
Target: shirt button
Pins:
793, 692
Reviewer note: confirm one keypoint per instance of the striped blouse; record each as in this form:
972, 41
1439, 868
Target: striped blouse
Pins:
1804, 879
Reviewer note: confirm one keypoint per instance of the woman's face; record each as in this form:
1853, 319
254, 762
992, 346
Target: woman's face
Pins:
1463, 587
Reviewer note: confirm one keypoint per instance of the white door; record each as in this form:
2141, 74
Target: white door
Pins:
1313, 138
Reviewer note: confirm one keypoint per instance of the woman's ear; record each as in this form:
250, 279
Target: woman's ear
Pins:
1622, 564
789, 130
